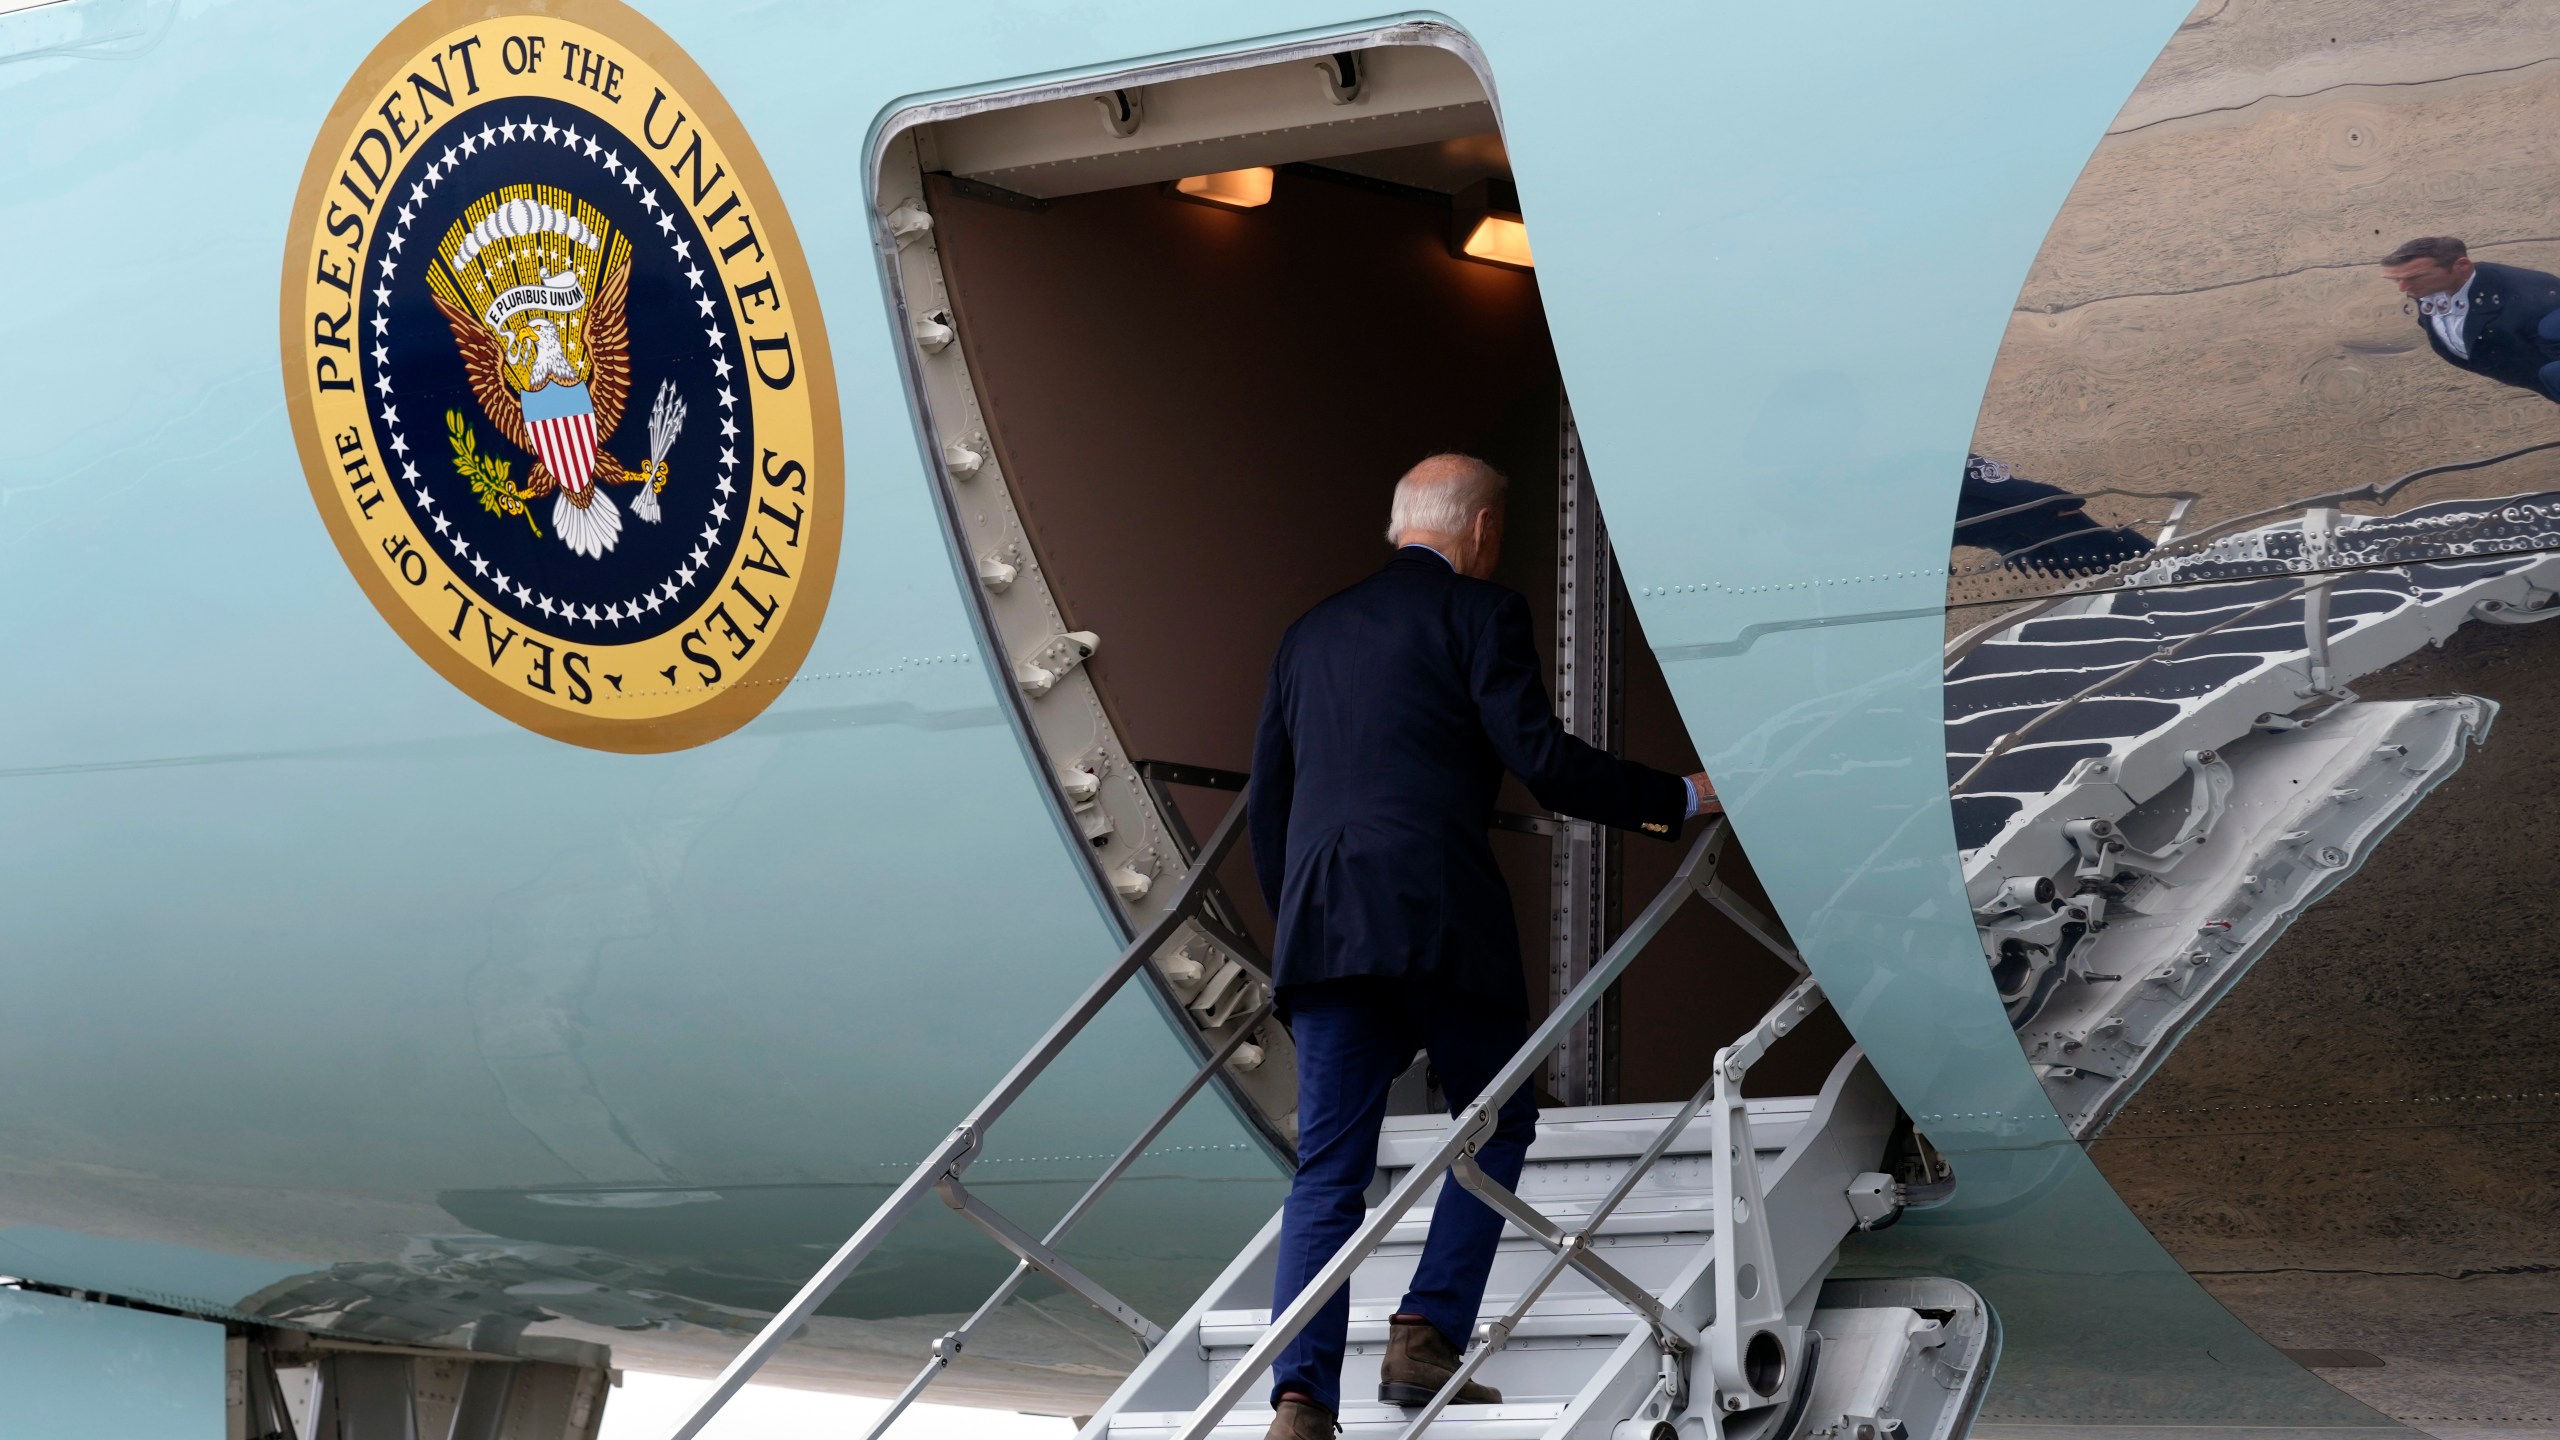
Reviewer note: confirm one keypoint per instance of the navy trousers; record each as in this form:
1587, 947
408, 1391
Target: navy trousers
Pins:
1354, 1036
2548, 327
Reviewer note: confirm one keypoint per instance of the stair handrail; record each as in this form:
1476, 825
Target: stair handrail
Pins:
1567, 1249
1472, 1125
940, 1170
948, 1346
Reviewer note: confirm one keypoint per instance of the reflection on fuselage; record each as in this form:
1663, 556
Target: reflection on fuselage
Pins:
2037, 528
2354, 1148
2204, 693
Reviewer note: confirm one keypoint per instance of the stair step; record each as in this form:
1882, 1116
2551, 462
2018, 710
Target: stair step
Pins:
1917, 1348
1651, 1261
1359, 1422
1547, 1365
1575, 1162
1574, 1316
1693, 1217
1602, 1132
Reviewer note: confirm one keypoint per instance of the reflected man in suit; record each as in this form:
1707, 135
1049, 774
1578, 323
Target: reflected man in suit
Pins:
1394, 709
2502, 321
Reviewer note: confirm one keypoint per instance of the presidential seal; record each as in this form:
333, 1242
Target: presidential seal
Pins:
558, 378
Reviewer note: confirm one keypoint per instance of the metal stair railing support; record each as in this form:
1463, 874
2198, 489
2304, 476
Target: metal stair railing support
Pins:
949, 1158
1675, 1338
1694, 876
949, 1345
1492, 1335
1039, 1256
1750, 1346
1747, 918
1669, 1330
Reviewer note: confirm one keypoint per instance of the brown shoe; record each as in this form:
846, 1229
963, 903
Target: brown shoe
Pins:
1419, 1361
1296, 1419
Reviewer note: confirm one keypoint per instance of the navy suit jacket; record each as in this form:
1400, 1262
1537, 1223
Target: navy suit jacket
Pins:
2501, 325
1394, 708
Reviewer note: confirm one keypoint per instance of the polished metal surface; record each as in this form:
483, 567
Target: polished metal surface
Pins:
2248, 697
2208, 321
2356, 1149
340, 1003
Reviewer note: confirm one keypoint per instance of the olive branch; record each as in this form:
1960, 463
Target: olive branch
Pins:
487, 473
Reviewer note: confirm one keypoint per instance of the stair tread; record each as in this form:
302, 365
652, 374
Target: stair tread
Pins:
1602, 1132
1376, 1314
1655, 1236
1566, 1316
1370, 1421
1694, 1218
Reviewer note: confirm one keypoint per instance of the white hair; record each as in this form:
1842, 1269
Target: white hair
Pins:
1443, 496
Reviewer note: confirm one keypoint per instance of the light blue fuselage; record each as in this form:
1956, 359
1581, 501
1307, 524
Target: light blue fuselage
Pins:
314, 962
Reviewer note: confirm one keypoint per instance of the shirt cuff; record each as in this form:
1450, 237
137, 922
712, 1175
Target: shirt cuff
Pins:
1689, 788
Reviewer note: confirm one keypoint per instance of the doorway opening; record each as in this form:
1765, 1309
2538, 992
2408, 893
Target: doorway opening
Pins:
1173, 336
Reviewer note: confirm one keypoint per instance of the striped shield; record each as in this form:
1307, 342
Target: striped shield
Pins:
563, 423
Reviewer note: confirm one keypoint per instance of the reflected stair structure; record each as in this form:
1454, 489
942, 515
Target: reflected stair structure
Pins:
1665, 1273
2152, 780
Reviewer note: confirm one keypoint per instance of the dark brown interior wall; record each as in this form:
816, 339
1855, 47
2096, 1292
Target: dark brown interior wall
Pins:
1202, 413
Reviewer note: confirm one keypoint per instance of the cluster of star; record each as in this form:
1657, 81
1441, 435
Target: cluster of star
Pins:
696, 562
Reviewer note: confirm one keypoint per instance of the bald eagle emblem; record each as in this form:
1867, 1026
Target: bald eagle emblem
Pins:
533, 282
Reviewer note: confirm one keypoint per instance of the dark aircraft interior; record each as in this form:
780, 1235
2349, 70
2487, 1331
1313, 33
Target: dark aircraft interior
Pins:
1201, 409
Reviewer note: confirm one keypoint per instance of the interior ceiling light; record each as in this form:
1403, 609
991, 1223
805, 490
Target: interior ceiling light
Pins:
1234, 189
1486, 226
1500, 240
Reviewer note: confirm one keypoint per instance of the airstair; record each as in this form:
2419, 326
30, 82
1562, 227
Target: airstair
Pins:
1604, 1294
2155, 772
1665, 1275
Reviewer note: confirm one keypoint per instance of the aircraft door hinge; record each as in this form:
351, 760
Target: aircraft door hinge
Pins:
908, 221
1039, 672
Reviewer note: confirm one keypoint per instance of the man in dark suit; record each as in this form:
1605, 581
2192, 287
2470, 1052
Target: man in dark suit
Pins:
2501, 321
1394, 708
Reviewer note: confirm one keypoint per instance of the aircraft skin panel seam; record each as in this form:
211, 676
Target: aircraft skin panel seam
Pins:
1066, 725
903, 118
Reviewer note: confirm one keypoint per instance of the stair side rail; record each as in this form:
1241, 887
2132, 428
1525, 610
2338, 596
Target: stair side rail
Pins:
948, 1346
1724, 1089
940, 1171
1695, 876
